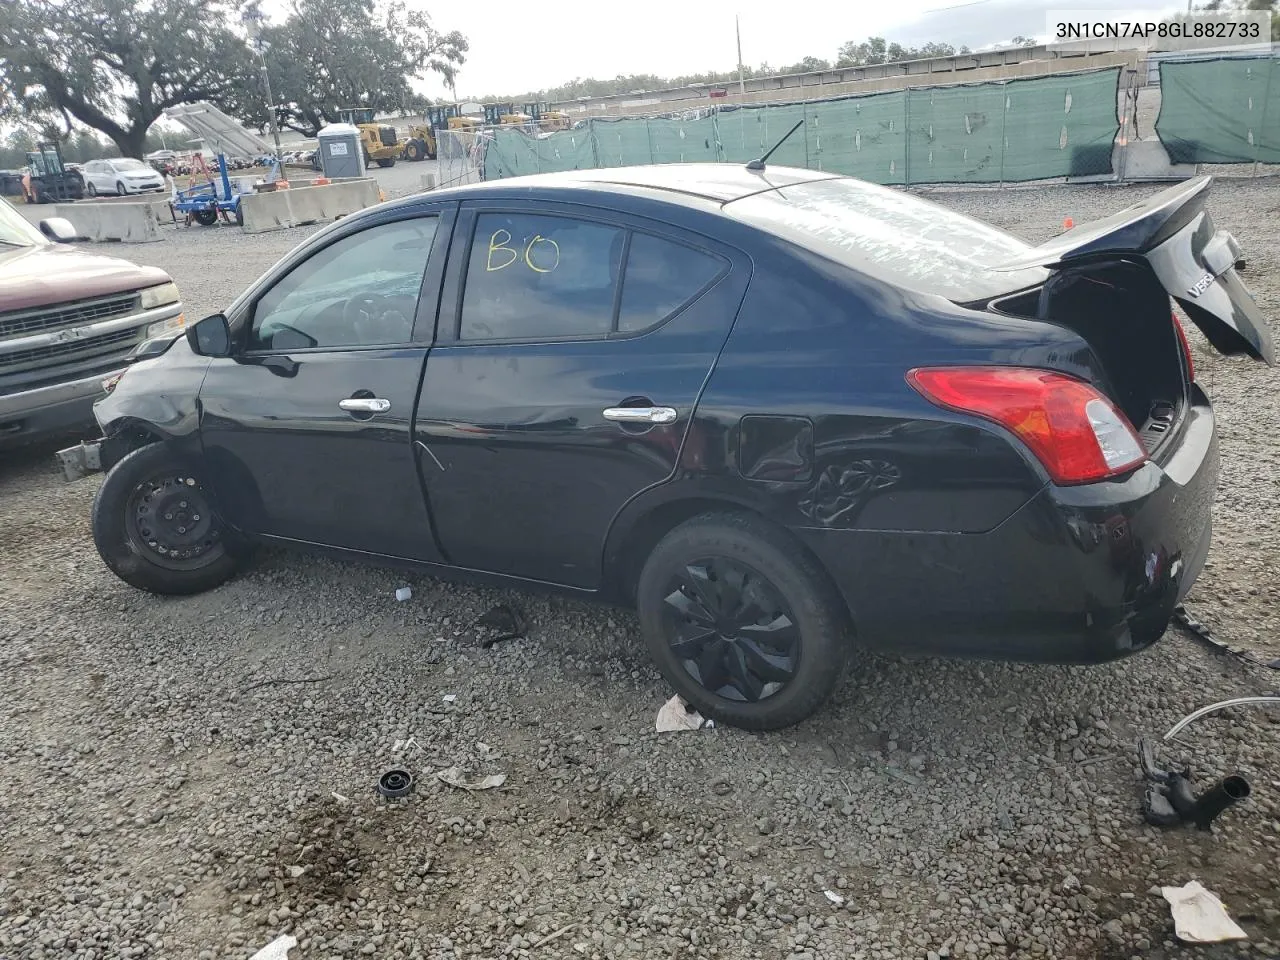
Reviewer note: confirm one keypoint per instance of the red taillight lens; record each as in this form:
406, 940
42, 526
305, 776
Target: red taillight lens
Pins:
1074, 431
1186, 347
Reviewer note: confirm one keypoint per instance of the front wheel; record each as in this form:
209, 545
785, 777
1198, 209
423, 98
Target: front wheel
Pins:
155, 528
206, 217
121, 189
91, 190
387, 162
742, 621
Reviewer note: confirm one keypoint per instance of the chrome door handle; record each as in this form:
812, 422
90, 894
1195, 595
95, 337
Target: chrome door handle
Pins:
641, 414
365, 405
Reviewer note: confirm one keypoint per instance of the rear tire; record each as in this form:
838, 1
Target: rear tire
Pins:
742, 621
206, 218
387, 162
155, 529
414, 150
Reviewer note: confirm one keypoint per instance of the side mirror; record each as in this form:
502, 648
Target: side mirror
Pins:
59, 230
210, 337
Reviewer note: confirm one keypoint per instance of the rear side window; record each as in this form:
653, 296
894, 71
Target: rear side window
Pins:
532, 276
660, 278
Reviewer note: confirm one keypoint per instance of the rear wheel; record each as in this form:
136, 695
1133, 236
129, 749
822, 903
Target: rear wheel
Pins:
155, 528
414, 150
742, 621
206, 218
387, 162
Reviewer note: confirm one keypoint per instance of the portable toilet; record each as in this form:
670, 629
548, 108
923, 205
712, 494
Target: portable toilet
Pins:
341, 153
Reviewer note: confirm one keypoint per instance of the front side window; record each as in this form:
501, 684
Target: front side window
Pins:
361, 290
534, 276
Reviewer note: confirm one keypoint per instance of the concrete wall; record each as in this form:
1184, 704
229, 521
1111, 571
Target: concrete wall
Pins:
299, 205
966, 68
130, 221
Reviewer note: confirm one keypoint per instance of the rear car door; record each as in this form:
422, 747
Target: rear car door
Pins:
307, 428
571, 350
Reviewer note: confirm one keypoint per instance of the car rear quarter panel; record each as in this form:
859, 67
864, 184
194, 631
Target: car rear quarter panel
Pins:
824, 350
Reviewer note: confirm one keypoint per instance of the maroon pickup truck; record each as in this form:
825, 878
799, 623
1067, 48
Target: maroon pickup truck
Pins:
69, 319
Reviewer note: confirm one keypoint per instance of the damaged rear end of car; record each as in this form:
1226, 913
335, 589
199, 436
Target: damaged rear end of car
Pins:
1143, 497
1071, 357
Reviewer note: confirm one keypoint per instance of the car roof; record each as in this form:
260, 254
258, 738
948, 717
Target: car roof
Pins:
717, 182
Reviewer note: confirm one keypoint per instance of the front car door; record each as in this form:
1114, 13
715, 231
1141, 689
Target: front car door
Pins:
307, 429
571, 350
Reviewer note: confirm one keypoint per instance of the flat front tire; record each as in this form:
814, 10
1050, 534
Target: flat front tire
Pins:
742, 621
155, 528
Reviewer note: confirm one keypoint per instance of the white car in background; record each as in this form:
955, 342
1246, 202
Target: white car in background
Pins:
123, 175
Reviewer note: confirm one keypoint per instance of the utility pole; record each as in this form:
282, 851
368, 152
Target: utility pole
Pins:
253, 22
742, 84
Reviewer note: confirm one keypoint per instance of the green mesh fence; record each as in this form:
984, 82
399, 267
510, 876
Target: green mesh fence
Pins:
1220, 111
1031, 129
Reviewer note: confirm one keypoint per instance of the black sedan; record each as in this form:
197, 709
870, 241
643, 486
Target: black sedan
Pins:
777, 411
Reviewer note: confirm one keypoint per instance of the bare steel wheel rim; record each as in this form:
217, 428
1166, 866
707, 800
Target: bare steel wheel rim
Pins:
731, 630
169, 520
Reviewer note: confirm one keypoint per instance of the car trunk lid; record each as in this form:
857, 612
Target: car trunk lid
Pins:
1196, 263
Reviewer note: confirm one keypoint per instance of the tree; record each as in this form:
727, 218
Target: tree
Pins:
116, 65
330, 54
808, 65
1021, 41
851, 54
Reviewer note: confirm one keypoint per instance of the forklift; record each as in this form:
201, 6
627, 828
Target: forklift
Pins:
48, 180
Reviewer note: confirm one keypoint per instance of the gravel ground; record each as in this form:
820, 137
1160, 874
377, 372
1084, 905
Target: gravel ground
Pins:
166, 796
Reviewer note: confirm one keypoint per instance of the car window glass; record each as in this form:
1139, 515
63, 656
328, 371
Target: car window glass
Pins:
539, 276
660, 278
359, 291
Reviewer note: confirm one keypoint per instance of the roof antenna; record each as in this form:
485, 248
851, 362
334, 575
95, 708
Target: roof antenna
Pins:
758, 163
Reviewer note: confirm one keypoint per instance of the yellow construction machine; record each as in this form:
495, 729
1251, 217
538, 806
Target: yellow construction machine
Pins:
379, 140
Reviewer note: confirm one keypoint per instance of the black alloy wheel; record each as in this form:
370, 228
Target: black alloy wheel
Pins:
743, 621
731, 630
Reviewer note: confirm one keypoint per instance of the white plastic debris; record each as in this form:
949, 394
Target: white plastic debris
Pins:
277, 949
676, 715
403, 593
449, 697
1199, 916
834, 897
454, 777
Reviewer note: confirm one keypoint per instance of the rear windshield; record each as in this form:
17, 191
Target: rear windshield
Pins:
892, 236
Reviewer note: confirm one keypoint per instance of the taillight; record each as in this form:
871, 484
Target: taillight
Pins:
1074, 431
1186, 347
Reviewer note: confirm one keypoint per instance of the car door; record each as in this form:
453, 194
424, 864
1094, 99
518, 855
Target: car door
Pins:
307, 428
93, 174
570, 352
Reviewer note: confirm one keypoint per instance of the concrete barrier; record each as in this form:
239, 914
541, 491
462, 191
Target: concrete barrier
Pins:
128, 221
296, 206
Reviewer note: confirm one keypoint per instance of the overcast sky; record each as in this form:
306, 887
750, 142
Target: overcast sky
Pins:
519, 45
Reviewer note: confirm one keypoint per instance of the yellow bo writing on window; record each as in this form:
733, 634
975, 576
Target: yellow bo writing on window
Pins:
541, 254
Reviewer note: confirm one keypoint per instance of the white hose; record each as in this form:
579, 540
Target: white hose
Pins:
1214, 707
